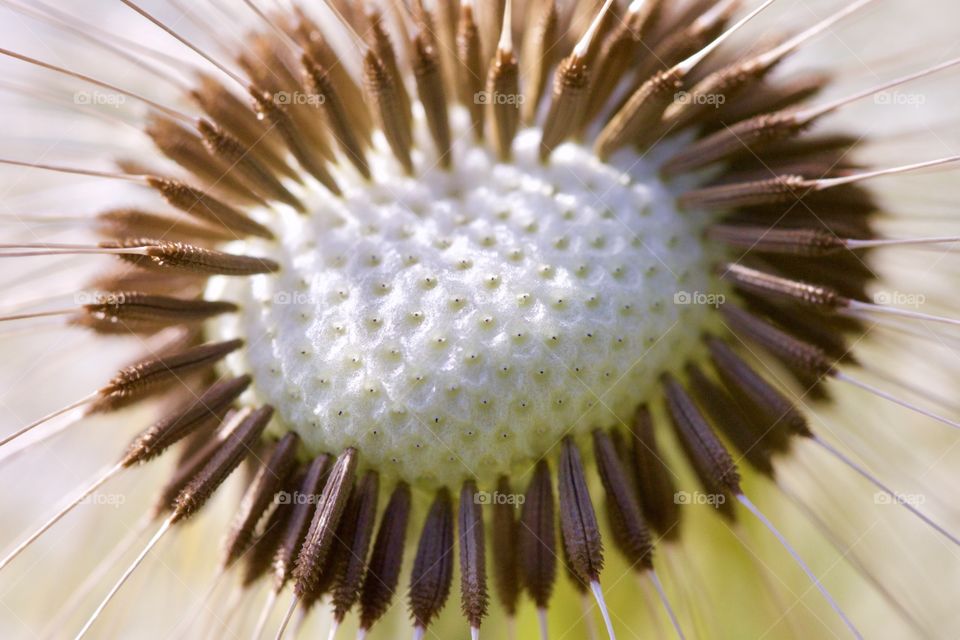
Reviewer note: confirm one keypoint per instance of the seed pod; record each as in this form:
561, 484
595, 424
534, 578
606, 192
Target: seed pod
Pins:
432, 572
655, 481
326, 518
384, 95
771, 286
191, 258
202, 205
473, 572
355, 538
259, 559
299, 522
634, 537
260, 493
147, 376
505, 546
578, 522
794, 353
186, 419
386, 559
429, 75
780, 418
785, 188
337, 118
568, 103
470, 74
227, 458
728, 417
538, 553
124, 311
709, 459
811, 243
238, 156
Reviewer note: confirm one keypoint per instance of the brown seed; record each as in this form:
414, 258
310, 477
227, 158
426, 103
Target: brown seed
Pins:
779, 416
634, 537
717, 88
186, 257
578, 521
137, 223
793, 242
622, 46
740, 138
634, 123
770, 286
568, 104
503, 79
473, 572
202, 205
505, 547
386, 559
335, 110
136, 311
537, 539
706, 454
185, 147
258, 497
199, 451
228, 457
265, 547
233, 115
432, 572
785, 188
309, 157
828, 333
429, 76
538, 55
239, 158
382, 46
358, 116
470, 76
361, 515
490, 16
796, 354
326, 518
201, 411
735, 425
147, 376
303, 506
655, 482
386, 101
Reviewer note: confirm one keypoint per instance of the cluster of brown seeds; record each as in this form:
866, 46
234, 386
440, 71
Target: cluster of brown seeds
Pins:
790, 212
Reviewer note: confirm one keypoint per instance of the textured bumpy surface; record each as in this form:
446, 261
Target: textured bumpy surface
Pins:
462, 322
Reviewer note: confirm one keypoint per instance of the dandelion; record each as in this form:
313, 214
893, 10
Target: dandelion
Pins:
510, 303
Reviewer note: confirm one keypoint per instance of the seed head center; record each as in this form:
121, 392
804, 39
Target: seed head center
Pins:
460, 323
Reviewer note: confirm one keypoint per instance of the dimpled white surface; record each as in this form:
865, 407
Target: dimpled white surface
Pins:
462, 322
